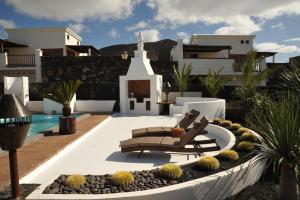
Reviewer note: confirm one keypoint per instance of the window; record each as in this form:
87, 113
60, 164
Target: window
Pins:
242, 41
194, 55
77, 42
247, 41
68, 37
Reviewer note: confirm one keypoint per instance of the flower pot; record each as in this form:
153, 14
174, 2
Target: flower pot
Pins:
13, 136
67, 125
66, 111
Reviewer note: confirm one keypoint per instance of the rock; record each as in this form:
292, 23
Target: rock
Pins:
173, 182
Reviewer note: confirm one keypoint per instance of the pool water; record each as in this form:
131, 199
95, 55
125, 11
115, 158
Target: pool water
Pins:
42, 122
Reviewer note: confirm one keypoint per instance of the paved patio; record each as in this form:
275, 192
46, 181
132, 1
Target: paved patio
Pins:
98, 151
41, 149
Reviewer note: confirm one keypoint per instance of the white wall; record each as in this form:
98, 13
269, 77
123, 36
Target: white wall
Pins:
18, 86
52, 106
172, 95
35, 106
94, 106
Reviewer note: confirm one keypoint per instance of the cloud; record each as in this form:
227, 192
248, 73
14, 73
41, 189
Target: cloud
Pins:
234, 15
114, 33
295, 39
239, 25
185, 36
140, 25
279, 26
74, 10
275, 47
78, 28
7, 24
151, 35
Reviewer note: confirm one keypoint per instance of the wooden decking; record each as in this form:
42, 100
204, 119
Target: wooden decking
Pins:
41, 149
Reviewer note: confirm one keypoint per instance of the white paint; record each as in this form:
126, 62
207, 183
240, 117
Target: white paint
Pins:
38, 65
172, 95
94, 106
3, 59
216, 186
35, 106
51, 107
99, 153
18, 86
140, 69
209, 107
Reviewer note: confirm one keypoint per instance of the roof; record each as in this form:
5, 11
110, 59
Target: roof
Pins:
45, 29
265, 54
84, 48
9, 44
205, 48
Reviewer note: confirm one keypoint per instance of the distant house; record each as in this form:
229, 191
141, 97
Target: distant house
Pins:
21, 51
213, 52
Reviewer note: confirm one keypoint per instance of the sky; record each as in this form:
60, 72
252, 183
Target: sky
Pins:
276, 23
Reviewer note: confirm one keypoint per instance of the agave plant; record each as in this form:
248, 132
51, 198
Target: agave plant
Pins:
279, 129
183, 78
290, 78
63, 93
214, 82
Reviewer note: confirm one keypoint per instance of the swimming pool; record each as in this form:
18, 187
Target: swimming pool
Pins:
43, 122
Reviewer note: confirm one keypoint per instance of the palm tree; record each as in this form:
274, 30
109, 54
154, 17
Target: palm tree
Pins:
63, 93
214, 82
250, 81
279, 129
183, 78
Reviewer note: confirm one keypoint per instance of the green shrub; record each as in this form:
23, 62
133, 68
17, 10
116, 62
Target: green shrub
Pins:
245, 146
75, 180
217, 121
122, 178
226, 123
229, 154
248, 136
242, 130
171, 171
235, 126
208, 163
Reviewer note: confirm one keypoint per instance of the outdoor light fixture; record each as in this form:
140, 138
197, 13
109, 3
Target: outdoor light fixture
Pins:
124, 56
15, 122
167, 87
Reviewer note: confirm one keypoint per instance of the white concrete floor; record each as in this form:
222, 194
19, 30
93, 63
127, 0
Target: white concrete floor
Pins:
98, 152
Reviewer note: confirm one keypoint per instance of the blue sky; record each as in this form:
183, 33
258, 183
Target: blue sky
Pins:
106, 22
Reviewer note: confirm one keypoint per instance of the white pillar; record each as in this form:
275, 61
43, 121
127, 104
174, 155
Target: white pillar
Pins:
273, 58
89, 52
3, 59
18, 86
38, 63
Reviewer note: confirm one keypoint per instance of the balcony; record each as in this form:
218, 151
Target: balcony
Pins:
17, 61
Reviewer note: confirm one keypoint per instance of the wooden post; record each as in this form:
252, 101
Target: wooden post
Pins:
14, 175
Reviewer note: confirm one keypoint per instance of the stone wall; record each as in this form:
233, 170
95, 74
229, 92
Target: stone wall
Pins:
99, 74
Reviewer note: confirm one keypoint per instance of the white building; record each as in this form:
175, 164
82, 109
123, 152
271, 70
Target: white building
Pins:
20, 52
213, 52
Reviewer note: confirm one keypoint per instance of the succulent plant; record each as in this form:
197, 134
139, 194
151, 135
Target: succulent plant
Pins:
217, 121
245, 146
242, 130
248, 136
229, 154
235, 126
208, 163
226, 123
75, 180
122, 178
171, 171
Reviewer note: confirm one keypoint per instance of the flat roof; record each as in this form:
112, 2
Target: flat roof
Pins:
45, 29
9, 44
204, 48
265, 54
215, 36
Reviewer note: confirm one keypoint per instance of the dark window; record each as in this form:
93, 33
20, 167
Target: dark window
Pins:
194, 55
148, 107
242, 41
52, 52
131, 105
68, 37
77, 43
247, 41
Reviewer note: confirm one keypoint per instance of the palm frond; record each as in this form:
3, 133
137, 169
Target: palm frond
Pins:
183, 77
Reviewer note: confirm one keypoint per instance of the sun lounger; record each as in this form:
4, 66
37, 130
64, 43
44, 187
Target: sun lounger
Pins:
171, 144
188, 119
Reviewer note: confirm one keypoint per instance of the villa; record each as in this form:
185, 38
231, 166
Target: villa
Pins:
126, 124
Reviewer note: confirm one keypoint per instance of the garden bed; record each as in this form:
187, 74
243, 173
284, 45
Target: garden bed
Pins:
143, 180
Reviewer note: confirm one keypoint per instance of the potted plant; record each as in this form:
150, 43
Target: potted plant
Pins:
183, 78
63, 93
